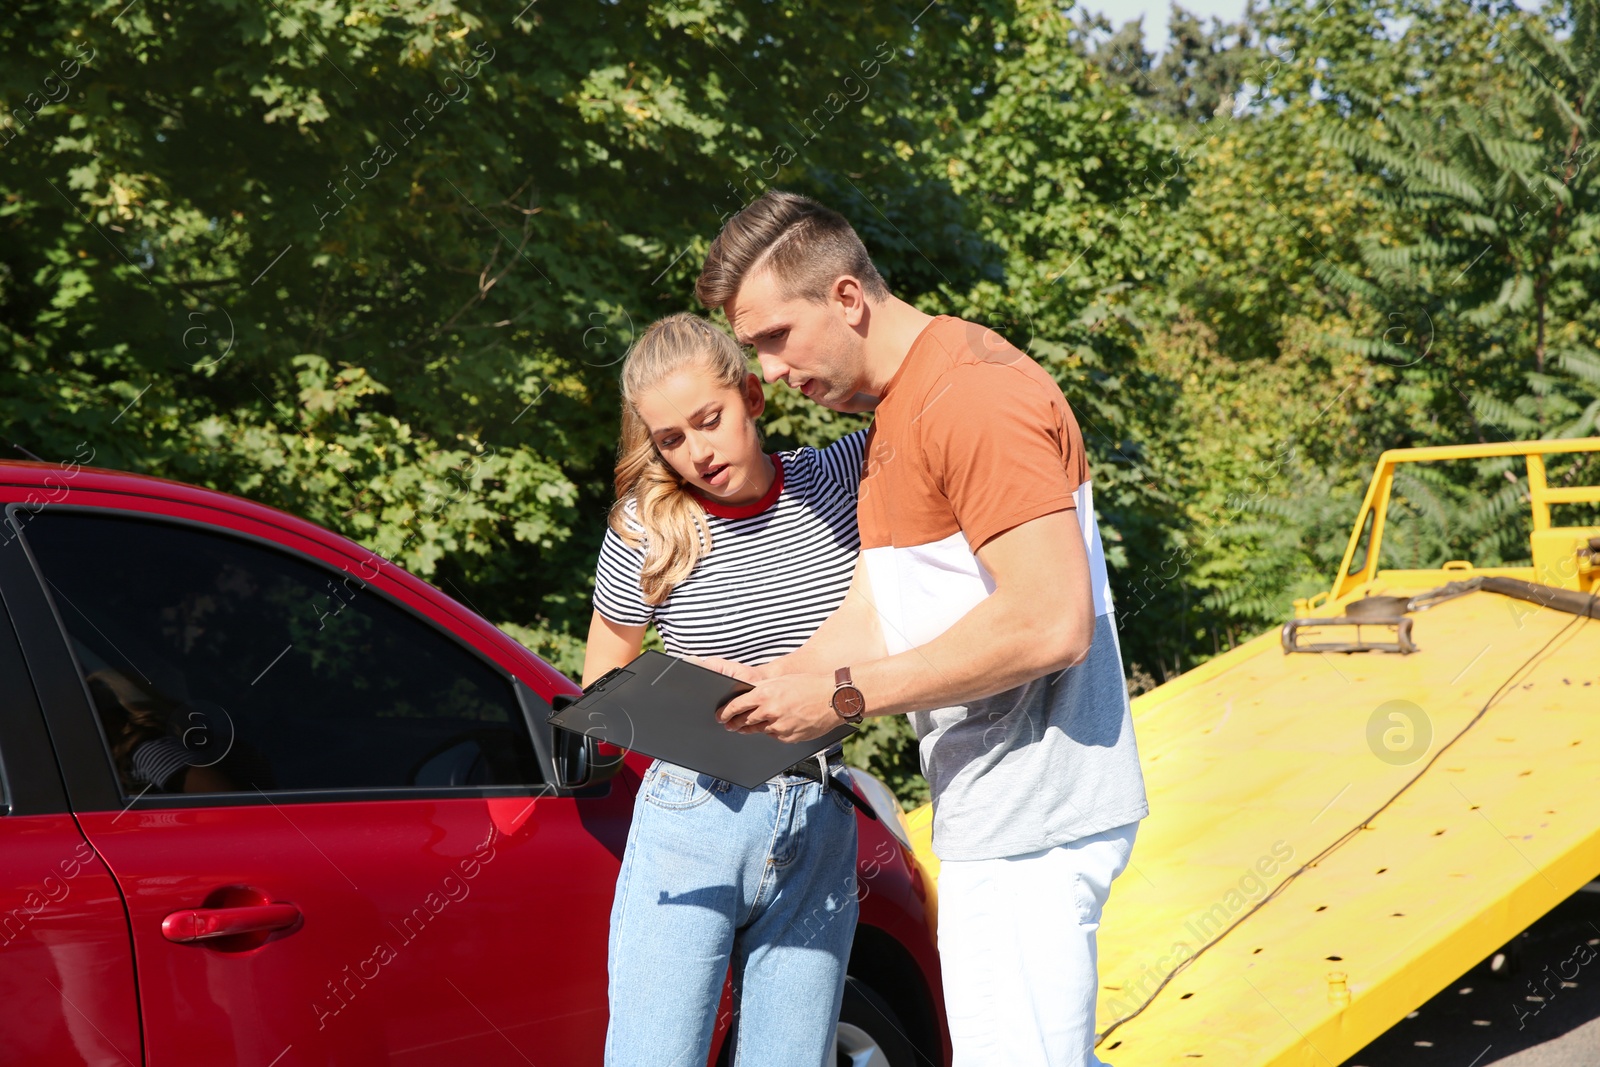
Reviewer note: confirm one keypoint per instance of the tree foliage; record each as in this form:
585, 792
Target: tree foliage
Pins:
376, 262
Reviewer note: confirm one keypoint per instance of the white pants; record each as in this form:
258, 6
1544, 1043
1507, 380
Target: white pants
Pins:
1017, 948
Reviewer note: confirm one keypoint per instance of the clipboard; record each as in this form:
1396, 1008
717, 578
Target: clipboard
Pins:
666, 707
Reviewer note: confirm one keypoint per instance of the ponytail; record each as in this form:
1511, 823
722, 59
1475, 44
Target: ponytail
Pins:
675, 536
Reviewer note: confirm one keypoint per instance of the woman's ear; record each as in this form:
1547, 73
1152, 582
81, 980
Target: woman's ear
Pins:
755, 398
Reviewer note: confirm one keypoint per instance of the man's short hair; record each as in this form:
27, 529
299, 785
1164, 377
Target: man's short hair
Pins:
806, 246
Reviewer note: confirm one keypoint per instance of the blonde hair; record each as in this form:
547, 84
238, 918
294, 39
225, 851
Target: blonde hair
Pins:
675, 536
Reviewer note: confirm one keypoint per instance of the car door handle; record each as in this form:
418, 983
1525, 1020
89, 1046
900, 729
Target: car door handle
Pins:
203, 924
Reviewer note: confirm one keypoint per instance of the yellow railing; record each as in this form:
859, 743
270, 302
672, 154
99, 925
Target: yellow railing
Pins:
1360, 563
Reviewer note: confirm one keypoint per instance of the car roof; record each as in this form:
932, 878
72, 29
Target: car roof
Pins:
32, 473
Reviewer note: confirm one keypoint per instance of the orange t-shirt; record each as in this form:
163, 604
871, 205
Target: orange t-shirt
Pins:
971, 437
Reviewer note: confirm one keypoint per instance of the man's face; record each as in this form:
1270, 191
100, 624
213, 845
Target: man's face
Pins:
809, 346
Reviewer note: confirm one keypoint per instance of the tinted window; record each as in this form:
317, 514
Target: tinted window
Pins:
217, 664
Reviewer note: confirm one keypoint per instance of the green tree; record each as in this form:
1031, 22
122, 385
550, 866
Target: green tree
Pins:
1197, 77
1477, 285
375, 263
1477, 290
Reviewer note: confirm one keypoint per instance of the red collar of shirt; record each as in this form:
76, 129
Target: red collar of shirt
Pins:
744, 511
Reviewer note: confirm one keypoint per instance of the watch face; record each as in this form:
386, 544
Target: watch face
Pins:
848, 702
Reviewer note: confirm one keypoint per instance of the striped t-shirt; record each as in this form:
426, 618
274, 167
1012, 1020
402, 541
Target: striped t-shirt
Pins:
778, 567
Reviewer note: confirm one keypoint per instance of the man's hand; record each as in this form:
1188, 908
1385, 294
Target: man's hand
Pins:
790, 707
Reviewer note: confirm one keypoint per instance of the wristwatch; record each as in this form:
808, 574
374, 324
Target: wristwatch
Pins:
847, 701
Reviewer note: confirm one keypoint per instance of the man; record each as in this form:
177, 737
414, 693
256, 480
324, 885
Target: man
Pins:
979, 606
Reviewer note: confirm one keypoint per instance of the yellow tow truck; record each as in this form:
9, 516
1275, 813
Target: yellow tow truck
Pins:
1349, 812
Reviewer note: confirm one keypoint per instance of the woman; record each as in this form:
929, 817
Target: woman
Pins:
735, 553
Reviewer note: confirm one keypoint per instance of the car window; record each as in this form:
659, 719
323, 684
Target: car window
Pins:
215, 663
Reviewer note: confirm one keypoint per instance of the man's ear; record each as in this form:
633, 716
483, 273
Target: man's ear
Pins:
755, 398
850, 298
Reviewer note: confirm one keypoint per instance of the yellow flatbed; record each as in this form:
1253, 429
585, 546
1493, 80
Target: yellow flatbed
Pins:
1335, 836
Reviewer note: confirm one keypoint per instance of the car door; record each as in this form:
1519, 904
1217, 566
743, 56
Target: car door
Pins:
66, 971
327, 811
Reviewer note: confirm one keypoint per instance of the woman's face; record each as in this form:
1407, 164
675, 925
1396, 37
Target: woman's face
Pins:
707, 432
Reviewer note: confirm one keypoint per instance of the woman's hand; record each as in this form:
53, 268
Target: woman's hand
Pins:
611, 644
742, 671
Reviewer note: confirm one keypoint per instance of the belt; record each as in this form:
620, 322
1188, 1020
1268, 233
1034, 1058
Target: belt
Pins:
816, 769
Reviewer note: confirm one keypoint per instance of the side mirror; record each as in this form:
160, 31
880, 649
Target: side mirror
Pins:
579, 760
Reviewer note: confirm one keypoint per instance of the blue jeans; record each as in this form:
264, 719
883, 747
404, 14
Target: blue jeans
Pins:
714, 874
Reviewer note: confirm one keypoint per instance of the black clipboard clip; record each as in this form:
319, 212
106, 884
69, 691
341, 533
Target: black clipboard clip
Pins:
566, 700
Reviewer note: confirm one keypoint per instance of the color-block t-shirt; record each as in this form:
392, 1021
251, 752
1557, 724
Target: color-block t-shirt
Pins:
970, 439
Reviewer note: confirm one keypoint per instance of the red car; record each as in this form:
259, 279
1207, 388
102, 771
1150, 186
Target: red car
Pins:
272, 801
